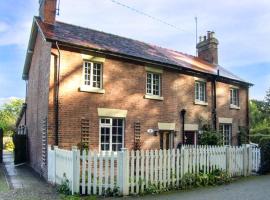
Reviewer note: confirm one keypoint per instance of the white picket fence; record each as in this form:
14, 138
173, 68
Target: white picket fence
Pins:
134, 171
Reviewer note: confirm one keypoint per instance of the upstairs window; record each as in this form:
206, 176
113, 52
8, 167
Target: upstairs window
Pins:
200, 91
234, 97
92, 73
153, 84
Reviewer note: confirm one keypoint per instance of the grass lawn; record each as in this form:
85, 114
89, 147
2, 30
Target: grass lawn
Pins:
3, 183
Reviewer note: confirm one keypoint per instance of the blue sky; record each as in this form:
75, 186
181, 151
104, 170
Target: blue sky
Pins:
242, 28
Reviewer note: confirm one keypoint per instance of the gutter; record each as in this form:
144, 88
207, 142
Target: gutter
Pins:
156, 63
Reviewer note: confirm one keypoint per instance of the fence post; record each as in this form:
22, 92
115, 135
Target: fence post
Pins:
123, 171
54, 152
228, 161
246, 161
51, 164
75, 187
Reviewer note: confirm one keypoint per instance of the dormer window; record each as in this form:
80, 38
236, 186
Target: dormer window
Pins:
234, 98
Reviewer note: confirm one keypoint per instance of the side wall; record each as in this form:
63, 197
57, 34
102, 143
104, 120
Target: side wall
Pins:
37, 103
124, 83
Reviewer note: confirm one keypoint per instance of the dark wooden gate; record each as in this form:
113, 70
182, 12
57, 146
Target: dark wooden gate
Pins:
20, 143
1, 144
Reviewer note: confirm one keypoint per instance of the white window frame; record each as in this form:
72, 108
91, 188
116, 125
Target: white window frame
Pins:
200, 92
234, 100
92, 74
223, 132
110, 125
152, 84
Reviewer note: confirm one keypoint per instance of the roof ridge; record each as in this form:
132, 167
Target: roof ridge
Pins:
119, 36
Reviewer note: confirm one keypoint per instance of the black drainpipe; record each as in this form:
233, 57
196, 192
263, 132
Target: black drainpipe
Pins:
57, 97
182, 113
214, 110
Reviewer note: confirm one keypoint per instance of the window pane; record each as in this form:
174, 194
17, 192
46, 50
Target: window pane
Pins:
96, 75
87, 73
149, 82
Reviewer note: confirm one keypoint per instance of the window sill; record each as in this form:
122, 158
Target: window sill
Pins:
84, 88
202, 103
234, 107
148, 96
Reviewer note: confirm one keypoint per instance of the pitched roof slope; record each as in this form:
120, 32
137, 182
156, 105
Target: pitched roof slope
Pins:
90, 38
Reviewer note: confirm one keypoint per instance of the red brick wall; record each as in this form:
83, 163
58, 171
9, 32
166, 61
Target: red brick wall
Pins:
124, 84
37, 101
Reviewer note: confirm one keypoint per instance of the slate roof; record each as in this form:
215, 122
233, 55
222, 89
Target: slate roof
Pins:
89, 38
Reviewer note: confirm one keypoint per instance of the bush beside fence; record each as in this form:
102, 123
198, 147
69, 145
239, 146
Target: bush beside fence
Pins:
133, 172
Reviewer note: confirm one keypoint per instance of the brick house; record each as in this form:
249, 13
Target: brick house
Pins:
86, 87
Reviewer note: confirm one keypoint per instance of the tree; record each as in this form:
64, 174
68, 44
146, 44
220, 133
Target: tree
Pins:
267, 102
260, 118
9, 113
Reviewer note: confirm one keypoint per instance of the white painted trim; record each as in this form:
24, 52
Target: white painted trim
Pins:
110, 126
155, 97
166, 126
86, 88
203, 103
191, 127
232, 106
108, 112
223, 120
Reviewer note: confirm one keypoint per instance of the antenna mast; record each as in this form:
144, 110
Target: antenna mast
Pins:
196, 25
58, 8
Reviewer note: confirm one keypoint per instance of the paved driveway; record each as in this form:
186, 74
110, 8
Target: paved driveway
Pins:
25, 184
251, 188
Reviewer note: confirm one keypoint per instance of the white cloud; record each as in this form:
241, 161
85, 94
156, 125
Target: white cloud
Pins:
241, 26
16, 34
8, 99
3, 26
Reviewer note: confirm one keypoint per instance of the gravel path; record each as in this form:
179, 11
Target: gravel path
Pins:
25, 184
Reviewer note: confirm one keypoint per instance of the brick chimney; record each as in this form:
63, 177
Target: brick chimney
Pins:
208, 48
47, 10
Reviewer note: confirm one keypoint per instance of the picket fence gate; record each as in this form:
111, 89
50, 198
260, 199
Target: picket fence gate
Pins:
131, 172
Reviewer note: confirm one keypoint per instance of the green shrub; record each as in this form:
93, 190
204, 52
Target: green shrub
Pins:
9, 146
209, 137
64, 187
265, 155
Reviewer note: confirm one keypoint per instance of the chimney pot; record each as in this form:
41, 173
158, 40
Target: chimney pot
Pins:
208, 48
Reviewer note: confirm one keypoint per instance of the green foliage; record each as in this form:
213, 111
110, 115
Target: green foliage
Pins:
9, 146
260, 118
111, 192
265, 155
9, 113
209, 137
64, 187
243, 135
190, 180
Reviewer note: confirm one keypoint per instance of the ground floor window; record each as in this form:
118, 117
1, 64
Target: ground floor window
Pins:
111, 134
226, 133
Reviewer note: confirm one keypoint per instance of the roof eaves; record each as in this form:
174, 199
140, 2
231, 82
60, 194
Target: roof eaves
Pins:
30, 49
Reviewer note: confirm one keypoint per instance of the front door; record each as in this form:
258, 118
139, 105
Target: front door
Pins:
190, 137
166, 140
